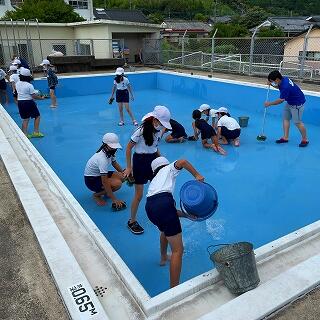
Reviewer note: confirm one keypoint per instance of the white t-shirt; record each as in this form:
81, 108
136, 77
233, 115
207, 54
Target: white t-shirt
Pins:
2, 74
228, 122
25, 90
164, 181
140, 145
98, 165
14, 78
122, 85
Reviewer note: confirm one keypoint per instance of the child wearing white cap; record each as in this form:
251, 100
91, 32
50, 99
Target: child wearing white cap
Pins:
145, 141
13, 79
3, 87
228, 128
209, 113
52, 81
97, 174
122, 88
26, 105
162, 212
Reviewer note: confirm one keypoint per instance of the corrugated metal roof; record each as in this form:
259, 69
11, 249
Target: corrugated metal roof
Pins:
290, 24
120, 15
186, 25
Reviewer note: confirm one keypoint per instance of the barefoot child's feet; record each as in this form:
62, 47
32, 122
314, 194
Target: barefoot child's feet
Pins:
99, 200
164, 260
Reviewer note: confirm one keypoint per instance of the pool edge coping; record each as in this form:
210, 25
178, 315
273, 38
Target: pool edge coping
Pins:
158, 303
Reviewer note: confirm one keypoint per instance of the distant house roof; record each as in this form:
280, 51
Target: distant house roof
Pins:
293, 25
220, 19
313, 19
120, 15
182, 25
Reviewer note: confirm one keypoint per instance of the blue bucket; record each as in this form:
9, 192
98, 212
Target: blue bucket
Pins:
198, 199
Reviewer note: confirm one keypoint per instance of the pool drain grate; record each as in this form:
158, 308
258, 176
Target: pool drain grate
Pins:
99, 291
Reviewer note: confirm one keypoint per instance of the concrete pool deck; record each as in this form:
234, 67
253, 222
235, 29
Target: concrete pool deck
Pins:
169, 314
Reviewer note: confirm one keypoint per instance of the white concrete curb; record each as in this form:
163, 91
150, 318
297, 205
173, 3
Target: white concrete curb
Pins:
77, 294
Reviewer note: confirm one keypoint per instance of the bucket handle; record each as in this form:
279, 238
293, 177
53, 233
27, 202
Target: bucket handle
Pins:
216, 245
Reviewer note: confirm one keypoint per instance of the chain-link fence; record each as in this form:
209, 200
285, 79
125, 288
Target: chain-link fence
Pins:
297, 57
35, 50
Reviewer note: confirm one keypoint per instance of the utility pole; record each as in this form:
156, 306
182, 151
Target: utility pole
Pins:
215, 11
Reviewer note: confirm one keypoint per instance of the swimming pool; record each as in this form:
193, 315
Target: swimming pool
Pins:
265, 190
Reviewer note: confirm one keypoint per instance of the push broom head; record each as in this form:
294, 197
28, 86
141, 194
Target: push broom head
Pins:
261, 137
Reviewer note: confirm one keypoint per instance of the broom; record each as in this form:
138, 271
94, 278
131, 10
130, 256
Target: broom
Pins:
262, 137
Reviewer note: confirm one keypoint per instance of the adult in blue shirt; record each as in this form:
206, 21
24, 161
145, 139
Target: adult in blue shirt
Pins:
294, 107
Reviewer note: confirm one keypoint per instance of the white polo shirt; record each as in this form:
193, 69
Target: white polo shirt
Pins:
140, 145
2, 74
228, 122
123, 85
98, 165
14, 78
164, 181
25, 90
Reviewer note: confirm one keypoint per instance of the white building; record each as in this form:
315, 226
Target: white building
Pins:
83, 7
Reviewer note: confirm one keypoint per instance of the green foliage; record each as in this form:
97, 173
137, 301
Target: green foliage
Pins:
229, 30
156, 17
226, 49
253, 17
271, 32
201, 17
44, 11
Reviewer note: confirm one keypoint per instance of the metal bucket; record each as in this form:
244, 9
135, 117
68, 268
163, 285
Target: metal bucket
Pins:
237, 266
243, 121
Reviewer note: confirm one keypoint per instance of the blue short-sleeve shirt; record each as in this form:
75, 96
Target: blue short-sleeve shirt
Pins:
290, 92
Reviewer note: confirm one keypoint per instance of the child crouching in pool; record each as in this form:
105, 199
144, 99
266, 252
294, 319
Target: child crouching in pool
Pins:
162, 212
178, 133
207, 132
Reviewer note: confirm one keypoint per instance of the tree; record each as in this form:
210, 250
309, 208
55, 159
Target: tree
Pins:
253, 17
229, 30
201, 17
45, 11
271, 32
156, 18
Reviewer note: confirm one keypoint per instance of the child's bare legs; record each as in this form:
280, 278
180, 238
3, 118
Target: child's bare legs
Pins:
216, 146
170, 139
120, 105
223, 140
176, 246
115, 182
24, 128
163, 249
53, 98
36, 124
129, 111
136, 201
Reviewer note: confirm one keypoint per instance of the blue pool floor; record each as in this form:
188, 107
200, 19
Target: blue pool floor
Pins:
265, 190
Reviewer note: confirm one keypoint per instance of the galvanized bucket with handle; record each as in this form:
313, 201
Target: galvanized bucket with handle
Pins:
237, 266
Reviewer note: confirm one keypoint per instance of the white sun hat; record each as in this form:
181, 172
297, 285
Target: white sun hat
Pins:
13, 68
112, 140
204, 107
162, 114
16, 61
119, 71
222, 109
45, 62
158, 162
25, 72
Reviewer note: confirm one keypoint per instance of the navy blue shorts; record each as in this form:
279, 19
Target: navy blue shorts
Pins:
95, 183
162, 212
52, 88
230, 134
28, 109
122, 96
207, 133
176, 134
3, 84
141, 167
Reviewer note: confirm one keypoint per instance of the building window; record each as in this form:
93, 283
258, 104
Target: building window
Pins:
60, 47
76, 4
2, 2
15, 2
85, 49
310, 55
